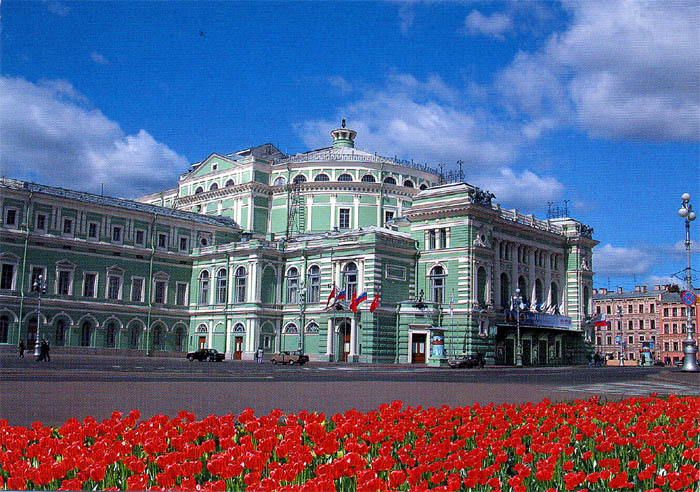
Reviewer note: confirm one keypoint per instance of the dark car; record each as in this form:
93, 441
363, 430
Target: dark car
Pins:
205, 354
659, 363
290, 358
471, 360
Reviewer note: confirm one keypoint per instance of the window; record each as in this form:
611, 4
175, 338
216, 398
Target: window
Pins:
157, 335
183, 244
116, 234
408, 183
344, 221
675, 312
631, 339
92, 230
180, 293
629, 308
651, 308
85, 334
423, 187
641, 308
481, 287
322, 177
67, 226
666, 329
345, 177
4, 328
667, 346
213, 187
314, 285
162, 240
7, 276
36, 272
683, 328
241, 277
198, 190
368, 178
136, 289
443, 238
682, 311
280, 181
675, 345
11, 217
599, 341
204, 287
388, 216
350, 279
114, 286
64, 283
229, 183
159, 292
630, 325
675, 328
437, 284
652, 325
89, 284
221, 286
597, 310
140, 237
665, 312
389, 180
60, 332
608, 309
432, 239
41, 222
111, 335
641, 324
299, 178
609, 340
292, 285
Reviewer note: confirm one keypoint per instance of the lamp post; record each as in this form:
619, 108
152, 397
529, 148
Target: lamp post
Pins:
619, 345
517, 305
302, 309
38, 286
689, 349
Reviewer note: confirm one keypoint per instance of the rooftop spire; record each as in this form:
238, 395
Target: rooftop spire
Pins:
343, 137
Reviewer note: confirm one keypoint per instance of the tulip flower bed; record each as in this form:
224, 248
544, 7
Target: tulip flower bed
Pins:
637, 444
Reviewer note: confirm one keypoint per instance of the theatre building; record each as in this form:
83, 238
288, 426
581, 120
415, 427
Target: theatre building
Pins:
254, 248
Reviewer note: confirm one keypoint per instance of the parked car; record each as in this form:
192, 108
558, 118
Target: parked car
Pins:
471, 360
659, 363
290, 358
205, 354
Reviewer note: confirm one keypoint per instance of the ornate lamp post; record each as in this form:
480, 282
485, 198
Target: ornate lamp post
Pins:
517, 305
689, 350
38, 286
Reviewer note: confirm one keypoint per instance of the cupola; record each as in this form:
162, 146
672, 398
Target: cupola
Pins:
343, 137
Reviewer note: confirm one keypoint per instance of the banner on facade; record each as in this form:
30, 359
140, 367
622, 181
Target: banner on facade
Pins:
540, 320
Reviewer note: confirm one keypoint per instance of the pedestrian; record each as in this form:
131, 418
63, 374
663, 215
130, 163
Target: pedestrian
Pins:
42, 350
21, 348
259, 355
48, 351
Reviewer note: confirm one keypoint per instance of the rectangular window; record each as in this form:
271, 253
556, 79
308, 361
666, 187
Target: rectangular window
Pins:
64, 280
599, 341
89, 285
666, 329
608, 310
432, 239
666, 346
682, 311
388, 216
136, 289
631, 339
443, 238
675, 328
630, 325
675, 312
67, 226
597, 310
641, 308
116, 234
651, 308
641, 338
344, 222
11, 217
7, 276
36, 271
41, 222
675, 346
180, 294
609, 340
162, 240
629, 308
666, 312
159, 291
140, 235
183, 244
113, 287
641, 324
92, 230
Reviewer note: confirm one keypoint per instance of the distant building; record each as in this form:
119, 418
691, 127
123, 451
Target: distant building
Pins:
251, 249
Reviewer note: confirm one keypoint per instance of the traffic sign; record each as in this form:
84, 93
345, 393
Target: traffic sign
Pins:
688, 298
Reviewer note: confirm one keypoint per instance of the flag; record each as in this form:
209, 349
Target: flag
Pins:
353, 303
375, 304
452, 306
602, 321
362, 297
330, 296
341, 295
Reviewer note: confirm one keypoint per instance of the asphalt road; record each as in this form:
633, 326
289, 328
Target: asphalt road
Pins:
95, 386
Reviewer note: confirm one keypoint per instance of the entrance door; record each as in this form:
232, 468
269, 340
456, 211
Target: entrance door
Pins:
346, 344
542, 352
202, 342
418, 348
237, 348
510, 351
527, 352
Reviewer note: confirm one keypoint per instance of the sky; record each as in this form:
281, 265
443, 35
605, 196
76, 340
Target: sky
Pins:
593, 106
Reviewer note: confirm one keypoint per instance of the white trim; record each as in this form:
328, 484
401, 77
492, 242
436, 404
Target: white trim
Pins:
131, 289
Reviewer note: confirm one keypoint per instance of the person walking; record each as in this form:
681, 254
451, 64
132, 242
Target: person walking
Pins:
42, 351
259, 355
47, 358
21, 348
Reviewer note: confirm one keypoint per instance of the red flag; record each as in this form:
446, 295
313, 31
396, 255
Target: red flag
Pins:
375, 304
331, 296
353, 303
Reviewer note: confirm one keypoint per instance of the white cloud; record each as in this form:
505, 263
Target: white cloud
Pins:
51, 135
340, 83
662, 280
406, 18
622, 70
613, 260
494, 25
525, 190
58, 8
98, 58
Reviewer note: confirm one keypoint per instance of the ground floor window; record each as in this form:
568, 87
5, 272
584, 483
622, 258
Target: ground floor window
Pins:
85, 334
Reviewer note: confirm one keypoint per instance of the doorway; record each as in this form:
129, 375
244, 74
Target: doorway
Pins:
510, 352
237, 348
202, 343
418, 348
542, 352
527, 352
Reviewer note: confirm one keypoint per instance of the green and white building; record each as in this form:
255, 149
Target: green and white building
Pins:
246, 250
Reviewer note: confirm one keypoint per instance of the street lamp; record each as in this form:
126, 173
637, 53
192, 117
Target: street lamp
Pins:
619, 344
689, 349
517, 305
38, 286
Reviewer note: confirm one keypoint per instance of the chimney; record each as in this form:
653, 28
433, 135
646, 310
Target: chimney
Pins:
603, 291
644, 289
657, 287
595, 292
619, 290
637, 288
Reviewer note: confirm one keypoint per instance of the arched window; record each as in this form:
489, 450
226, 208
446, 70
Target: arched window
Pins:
157, 336
85, 334
522, 285
368, 178
291, 329
350, 279
292, 285
241, 277
4, 328
229, 183
221, 286
389, 180
299, 178
280, 181
311, 329
555, 294
505, 290
213, 187
437, 284
345, 177
179, 337
481, 287
423, 187
314, 284
110, 334
198, 190
134, 335
539, 292
239, 328
322, 177
204, 287
408, 183
31, 332
60, 332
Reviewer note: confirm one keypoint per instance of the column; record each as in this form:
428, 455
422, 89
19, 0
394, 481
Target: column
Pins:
333, 220
353, 339
329, 339
548, 278
356, 212
514, 270
497, 301
227, 338
532, 277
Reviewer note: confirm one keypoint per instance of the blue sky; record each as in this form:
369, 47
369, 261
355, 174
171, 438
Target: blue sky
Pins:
596, 103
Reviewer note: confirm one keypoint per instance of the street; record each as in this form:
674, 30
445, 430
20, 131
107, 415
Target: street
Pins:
96, 385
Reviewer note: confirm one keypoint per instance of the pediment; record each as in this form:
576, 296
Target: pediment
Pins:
207, 166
